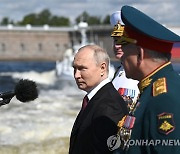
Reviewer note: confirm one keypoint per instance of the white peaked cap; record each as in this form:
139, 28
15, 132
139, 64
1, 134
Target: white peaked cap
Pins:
115, 18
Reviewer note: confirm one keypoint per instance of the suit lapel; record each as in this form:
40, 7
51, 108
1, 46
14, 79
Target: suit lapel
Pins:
81, 118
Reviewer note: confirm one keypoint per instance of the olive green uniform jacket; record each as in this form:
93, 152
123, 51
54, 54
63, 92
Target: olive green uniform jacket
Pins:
157, 125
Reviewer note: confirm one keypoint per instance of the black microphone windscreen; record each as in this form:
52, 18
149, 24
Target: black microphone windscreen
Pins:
26, 90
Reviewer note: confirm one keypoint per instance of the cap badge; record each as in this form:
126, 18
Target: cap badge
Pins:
119, 31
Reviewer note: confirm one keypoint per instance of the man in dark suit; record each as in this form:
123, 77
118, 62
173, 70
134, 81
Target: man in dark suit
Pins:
98, 120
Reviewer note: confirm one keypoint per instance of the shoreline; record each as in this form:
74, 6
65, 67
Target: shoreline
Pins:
53, 146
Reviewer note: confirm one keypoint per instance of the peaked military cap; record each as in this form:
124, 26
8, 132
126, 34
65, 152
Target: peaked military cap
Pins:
142, 30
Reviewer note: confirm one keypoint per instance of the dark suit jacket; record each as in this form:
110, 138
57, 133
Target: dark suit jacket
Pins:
97, 122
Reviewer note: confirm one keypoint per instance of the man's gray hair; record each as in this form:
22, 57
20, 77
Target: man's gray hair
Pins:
158, 56
100, 55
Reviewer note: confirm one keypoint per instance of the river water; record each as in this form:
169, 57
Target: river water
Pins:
42, 126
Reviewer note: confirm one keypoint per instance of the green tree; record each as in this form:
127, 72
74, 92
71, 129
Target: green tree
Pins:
94, 20
59, 21
106, 20
29, 19
44, 17
91, 20
5, 21
82, 17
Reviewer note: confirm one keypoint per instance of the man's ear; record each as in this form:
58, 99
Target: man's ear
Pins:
140, 55
103, 68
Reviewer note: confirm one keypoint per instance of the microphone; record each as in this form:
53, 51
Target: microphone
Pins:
25, 91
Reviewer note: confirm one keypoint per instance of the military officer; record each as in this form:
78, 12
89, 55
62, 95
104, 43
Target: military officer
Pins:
153, 123
127, 88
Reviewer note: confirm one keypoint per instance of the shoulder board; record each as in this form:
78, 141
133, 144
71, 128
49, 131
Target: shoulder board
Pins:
159, 87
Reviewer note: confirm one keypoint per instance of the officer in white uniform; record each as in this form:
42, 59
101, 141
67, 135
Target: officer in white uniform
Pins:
127, 88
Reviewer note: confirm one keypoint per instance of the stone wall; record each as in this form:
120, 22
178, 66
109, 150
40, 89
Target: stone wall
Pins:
50, 44
32, 45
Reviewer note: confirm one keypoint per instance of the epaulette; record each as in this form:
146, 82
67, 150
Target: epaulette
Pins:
144, 83
159, 87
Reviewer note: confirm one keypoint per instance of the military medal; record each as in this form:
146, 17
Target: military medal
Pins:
126, 124
129, 122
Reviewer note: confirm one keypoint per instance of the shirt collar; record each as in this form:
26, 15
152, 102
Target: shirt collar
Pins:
95, 90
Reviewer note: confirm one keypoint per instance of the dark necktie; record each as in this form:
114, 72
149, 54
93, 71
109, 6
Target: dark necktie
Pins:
85, 102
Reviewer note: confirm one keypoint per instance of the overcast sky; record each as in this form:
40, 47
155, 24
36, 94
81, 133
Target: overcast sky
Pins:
164, 11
